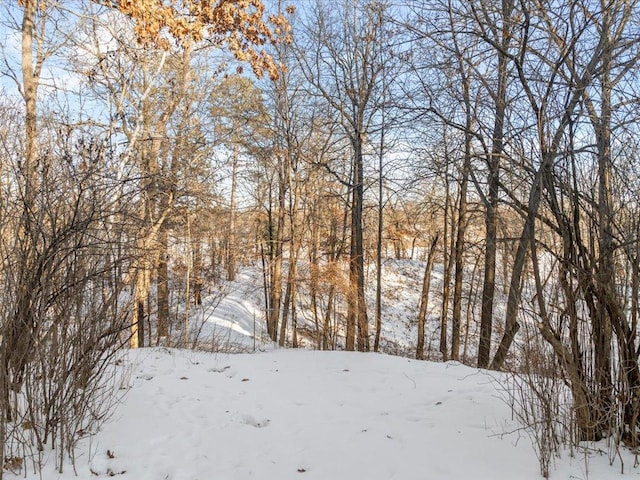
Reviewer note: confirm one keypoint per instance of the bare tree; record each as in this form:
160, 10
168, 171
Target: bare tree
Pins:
550, 128
340, 58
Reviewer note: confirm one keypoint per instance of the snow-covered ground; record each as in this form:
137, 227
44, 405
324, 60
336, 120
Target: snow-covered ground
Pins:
232, 316
299, 414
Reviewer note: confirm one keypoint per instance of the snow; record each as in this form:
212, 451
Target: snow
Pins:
300, 414
279, 414
231, 317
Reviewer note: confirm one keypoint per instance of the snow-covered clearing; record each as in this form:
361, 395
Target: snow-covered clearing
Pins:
297, 414
301, 414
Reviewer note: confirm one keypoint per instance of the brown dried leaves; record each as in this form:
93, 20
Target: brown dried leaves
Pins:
238, 24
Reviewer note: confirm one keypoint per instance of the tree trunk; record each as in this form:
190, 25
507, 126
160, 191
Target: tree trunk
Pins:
491, 214
352, 299
357, 252
447, 261
456, 318
602, 328
30, 84
379, 239
294, 310
187, 287
196, 276
162, 276
294, 252
327, 333
275, 282
470, 310
231, 235
489, 280
515, 285
17, 340
286, 305
424, 297
141, 294
314, 273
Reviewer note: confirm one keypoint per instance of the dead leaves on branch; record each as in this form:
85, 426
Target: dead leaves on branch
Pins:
239, 25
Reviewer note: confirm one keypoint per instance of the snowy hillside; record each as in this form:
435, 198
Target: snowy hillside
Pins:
294, 414
232, 316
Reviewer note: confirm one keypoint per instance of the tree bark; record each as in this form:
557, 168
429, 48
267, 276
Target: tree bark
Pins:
162, 275
379, 241
456, 316
491, 214
602, 328
446, 280
275, 282
515, 285
357, 247
232, 237
424, 297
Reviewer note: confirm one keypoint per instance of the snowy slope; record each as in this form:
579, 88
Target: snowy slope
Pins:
295, 414
233, 316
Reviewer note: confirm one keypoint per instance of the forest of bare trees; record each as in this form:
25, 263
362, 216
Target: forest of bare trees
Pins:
149, 152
